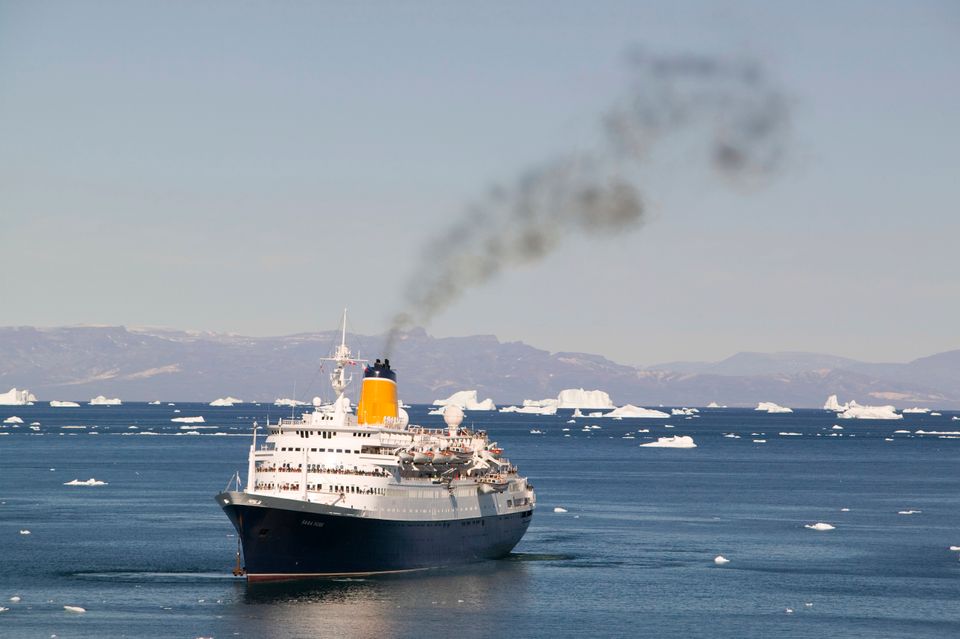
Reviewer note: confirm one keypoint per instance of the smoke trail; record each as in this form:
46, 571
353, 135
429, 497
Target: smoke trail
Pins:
735, 117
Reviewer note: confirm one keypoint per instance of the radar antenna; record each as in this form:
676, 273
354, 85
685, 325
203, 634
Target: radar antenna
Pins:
342, 357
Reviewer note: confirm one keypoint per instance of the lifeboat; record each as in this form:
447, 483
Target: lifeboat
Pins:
405, 457
496, 452
422, 457
444, 457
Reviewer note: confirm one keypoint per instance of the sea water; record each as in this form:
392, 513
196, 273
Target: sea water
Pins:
150, 553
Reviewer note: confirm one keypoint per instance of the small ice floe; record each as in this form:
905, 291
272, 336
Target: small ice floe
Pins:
156, 402
688, 412
808, 604
955, 548
759, 441
731, 436
2, 609
936, 414
24, 532
789, 611
15, 599
188, 420
100, 400
856, 411
720, 560
75, 609
790, 434
13, 420
226, 401
836, 427
844, 510
915, 410
771, 407
559, 509
571, 421
86, 482
59, 404
678, 441
909, 512
819, 526
536, 431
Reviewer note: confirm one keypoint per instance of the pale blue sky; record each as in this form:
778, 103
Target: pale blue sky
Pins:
229, 166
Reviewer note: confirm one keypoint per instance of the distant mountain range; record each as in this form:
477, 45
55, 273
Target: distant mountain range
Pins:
77, 363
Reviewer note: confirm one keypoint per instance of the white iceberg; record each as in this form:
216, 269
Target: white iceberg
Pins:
559, 509
789, 434
286, 401
915, 410
909, 512
678, 441
13, 420
856, 411
633, 411
819, 526
100, 400
154, 403
88, 482
188, 420
684, 411
714, 405
833, 404
59, 404
467, 400
770, 407
580, 398
24, 532
226, 401
15, 397
75, 609
720, 560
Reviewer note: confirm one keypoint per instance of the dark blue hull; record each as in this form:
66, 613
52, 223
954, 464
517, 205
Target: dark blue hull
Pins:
280, 543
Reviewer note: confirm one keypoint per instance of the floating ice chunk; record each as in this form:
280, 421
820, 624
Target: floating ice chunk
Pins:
226, 401
684, 411
909, 512
100, 400
720, 560
435, 411
678, 441
75, 609
571, 421
2, 609
915, 411
467, 400
836, 427
936, 414
888, 439
833, 404
15, 397
15, 599
819, 526
87, 482
632, 411
580, 398
559, 509
790, 434
13, 420
953, 548
789, 611
58, 404
869, 412
154, 403
286, 401
759, 441
937, 432
24, 532
188, 420
731, 436
714, 405
770, 407
536, 431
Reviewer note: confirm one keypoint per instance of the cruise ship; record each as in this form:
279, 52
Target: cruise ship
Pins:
337, 492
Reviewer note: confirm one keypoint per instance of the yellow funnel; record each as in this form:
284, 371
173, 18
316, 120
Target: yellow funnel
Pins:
378, 395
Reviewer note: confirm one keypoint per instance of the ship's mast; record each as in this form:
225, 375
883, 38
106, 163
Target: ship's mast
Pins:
342, 357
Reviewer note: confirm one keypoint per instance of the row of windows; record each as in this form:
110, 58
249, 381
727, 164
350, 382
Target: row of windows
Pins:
291, 449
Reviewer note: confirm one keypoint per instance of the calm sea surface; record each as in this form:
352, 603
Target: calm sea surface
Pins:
150, 553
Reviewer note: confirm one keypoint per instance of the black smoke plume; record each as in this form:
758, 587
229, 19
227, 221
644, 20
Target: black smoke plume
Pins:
735, 117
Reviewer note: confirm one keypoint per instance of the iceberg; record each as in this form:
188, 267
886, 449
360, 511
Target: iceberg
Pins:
909, 512
24, 532
15, 397
88, 482
819, 526
720, 560
100, 400
188, 420
580, 398
154, 403
58, 404
633, 411
286, 401
833, 404
915, 410
467, 400
679, 441
226, 401
715, 405
75, 609
13, 420
690, 412
770, 407
855, 411
559, 509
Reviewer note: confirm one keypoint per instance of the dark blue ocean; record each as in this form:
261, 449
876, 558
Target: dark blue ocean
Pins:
150, 553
